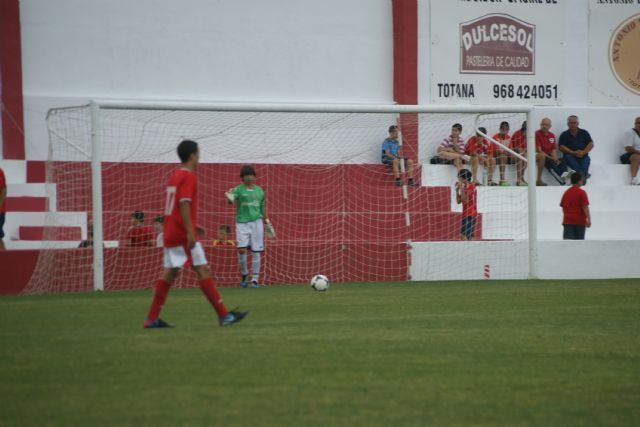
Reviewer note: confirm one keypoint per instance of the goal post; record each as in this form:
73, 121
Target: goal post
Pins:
182, 120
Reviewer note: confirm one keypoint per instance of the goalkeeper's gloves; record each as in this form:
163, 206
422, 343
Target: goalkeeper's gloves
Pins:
230, 196
269, 230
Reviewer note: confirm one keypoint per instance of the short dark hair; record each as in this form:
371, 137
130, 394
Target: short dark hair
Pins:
483, 130
186, 148
524, 125
247, 170
159, 219
457, 126
225, 227
393, 128
138, 215
465, 174
504, 124
576, 177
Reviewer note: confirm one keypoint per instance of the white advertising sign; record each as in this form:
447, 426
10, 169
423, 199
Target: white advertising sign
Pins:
614, 52
496, 52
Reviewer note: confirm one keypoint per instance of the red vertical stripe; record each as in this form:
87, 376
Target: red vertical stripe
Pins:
405, 69
11, 76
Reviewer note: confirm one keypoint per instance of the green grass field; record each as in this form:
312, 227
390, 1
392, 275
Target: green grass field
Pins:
405, 354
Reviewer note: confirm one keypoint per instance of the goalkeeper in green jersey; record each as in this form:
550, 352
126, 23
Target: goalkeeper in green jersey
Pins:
251, 222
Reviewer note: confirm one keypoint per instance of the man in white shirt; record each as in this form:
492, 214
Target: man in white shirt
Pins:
632, 151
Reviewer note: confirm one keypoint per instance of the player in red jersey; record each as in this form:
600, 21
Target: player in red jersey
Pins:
466, 193
139, 234
180, 245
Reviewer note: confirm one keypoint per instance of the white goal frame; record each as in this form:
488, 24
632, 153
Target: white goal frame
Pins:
113, 104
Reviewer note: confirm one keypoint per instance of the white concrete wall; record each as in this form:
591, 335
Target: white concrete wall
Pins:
240, 50
556, 260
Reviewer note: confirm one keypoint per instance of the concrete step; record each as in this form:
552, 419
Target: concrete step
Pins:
51, 244
34, 190
49, 233
14, 170
602, 175
14, 220
27, 204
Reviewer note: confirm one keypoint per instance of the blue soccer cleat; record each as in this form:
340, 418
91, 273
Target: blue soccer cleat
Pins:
254, 284
232, 317
243, 282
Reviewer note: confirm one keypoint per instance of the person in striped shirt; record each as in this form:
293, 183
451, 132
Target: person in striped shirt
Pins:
451, 149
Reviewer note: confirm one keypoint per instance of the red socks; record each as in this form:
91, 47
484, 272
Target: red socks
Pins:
159, 297
210, 291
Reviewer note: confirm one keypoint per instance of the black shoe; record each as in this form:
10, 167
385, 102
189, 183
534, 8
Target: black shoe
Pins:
232, 317
398, 182
158, 323
412, 183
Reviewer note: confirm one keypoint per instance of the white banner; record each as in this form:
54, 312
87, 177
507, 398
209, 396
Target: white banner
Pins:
614, 52
497, 52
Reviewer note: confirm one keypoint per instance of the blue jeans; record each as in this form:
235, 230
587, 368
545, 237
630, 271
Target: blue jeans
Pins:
578, 164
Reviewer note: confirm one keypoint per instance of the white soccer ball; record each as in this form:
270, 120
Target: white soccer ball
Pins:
320, 283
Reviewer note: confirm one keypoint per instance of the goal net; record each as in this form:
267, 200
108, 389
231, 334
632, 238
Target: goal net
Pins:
335, 207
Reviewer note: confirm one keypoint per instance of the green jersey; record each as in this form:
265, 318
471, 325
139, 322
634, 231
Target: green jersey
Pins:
249, 203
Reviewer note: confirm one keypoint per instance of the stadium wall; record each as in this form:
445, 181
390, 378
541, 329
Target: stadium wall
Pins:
557, 260
247, 50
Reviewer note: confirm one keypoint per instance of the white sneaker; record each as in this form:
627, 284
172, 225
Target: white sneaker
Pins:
565, 175
466, 158
635, 181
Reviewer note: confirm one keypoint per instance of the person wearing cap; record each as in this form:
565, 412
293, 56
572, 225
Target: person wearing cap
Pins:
140, 235
391, 156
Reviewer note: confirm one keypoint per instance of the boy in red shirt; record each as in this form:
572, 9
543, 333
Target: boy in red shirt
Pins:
466, 194
519, 145
180, 245
482, 152
501, 154
140, 235
575, 207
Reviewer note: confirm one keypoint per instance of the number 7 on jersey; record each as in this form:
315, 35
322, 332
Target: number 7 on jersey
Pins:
171, 199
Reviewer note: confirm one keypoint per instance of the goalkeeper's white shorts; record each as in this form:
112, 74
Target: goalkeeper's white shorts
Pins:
176, 257
251, 235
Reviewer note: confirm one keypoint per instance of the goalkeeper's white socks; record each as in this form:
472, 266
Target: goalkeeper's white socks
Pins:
242, 259
255, 266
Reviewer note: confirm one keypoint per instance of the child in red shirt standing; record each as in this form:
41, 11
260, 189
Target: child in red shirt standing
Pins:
575, 207
467, 194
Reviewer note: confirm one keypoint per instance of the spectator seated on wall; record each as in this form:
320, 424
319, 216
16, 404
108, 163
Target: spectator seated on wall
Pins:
547, 155
140, 235
502, 155
392, 156
631, 154
451, 149
482, 152
575, 144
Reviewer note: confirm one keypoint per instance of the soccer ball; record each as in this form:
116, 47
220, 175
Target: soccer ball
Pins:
320, 283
